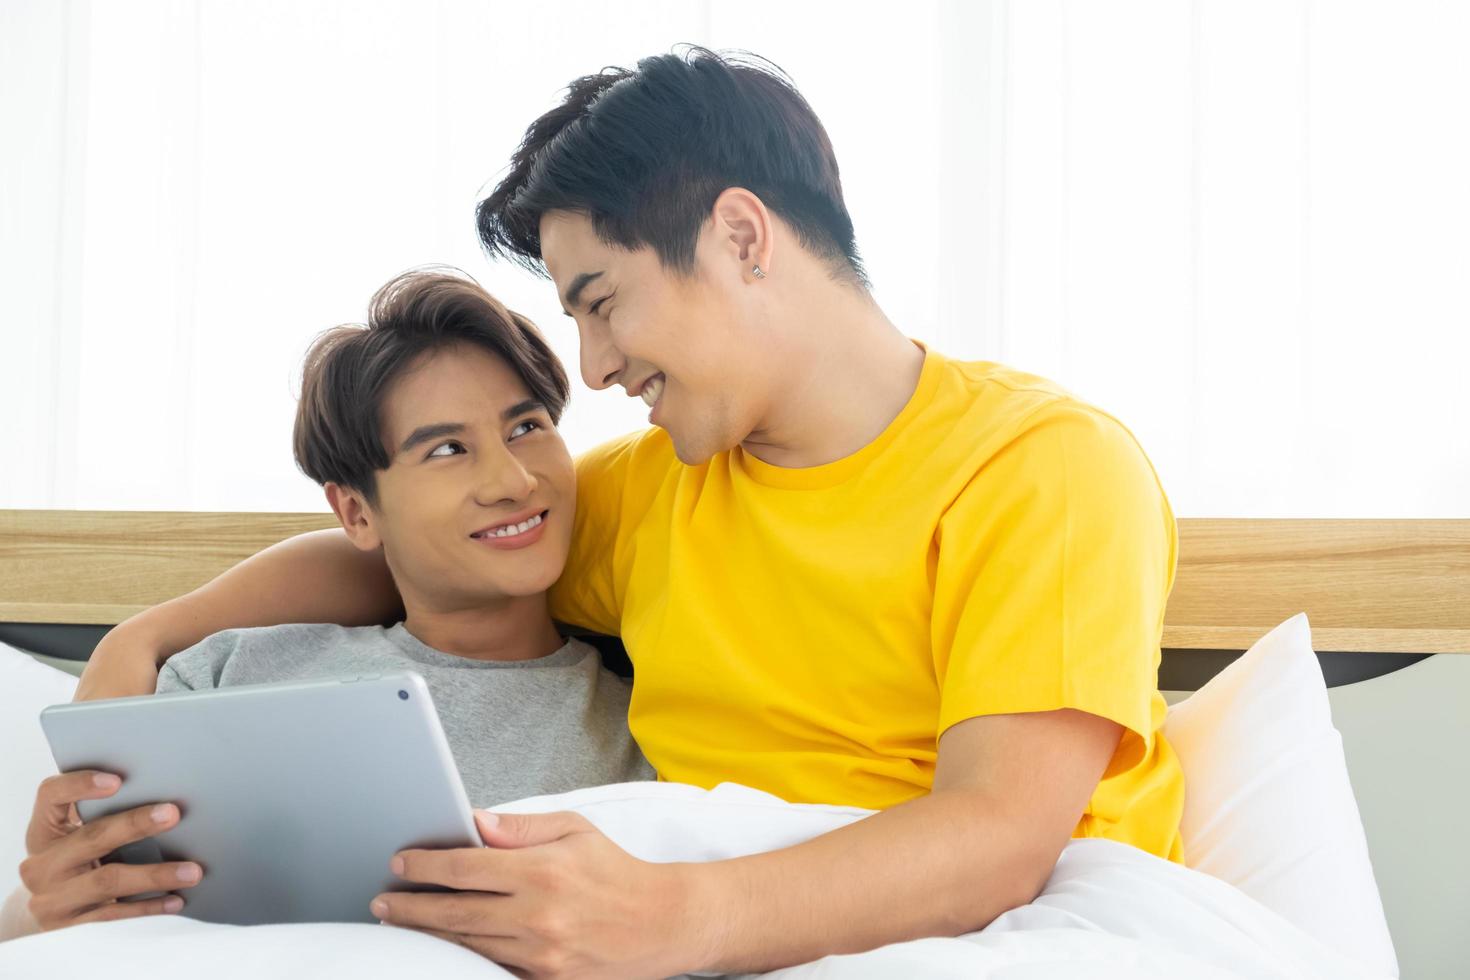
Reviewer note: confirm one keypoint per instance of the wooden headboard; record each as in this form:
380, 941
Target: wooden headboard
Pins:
1387, 586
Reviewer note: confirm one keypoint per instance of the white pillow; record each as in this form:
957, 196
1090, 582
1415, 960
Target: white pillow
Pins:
26, 687
1268, 806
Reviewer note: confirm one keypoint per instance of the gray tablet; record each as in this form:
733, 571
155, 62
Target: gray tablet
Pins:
293, 797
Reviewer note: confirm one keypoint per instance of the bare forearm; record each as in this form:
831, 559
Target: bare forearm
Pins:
318, 577
941, 865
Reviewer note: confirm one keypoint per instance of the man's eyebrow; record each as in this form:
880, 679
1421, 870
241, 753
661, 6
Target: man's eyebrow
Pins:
574, 292
426, 432
522, 408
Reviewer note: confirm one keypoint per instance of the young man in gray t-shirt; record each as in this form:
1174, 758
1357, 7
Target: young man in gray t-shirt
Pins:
433, 432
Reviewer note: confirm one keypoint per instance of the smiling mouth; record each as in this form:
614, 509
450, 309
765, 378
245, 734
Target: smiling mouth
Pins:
652, 390
513, 530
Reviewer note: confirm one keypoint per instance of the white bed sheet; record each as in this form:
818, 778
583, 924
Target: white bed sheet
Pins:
1108, 910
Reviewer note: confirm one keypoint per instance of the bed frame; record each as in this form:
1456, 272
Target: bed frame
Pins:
1389, 603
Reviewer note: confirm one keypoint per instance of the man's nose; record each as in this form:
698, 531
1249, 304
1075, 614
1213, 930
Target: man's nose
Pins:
503, 477
601, 361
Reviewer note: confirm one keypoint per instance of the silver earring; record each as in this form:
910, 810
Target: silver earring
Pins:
756, 271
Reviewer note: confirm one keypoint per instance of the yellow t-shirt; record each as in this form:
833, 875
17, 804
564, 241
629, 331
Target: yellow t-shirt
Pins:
1001, 547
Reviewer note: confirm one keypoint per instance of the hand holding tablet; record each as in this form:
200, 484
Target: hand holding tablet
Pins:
64, 873
291, 798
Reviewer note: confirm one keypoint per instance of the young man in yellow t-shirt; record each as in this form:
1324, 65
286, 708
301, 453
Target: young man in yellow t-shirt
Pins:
846, 568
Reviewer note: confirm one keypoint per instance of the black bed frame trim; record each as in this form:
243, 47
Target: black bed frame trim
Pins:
1181, 670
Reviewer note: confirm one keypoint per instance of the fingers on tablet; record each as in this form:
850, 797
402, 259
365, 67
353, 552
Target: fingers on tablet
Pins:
121, 881
67, 788
98, 838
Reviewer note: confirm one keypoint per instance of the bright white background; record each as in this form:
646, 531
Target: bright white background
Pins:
1242, 227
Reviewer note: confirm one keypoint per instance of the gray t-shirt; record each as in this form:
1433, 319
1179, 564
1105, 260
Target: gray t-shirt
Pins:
516, 728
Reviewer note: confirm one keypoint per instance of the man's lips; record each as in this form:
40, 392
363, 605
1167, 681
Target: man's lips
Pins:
509, 527
651, 385
524, 537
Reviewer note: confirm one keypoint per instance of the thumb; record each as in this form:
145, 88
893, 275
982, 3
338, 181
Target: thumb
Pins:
528, 829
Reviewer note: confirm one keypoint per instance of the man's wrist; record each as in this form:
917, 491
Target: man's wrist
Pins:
704, 913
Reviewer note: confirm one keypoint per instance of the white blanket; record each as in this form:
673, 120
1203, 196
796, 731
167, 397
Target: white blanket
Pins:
1108, 911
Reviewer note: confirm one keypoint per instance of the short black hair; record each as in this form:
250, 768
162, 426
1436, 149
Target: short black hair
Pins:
350, 369
644, 154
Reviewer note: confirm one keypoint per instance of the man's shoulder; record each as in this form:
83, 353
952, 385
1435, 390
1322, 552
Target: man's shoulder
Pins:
635, 452
1012, 409
286, 634
1000, 396
998, 430
255, 652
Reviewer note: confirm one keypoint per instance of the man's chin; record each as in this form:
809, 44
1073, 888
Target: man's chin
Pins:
522, 588
697, 451
693, 455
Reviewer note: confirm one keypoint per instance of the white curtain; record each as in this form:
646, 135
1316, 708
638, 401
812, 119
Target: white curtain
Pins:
1241, 227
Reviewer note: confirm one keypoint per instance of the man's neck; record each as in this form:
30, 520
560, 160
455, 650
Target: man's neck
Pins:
845, 373
518, 628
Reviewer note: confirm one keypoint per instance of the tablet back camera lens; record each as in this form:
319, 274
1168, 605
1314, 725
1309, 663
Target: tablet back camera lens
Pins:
403, 695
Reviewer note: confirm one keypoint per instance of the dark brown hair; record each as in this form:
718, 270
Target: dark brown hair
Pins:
643, 153
349, 369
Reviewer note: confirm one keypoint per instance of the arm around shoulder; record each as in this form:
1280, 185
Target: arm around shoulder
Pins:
318, 577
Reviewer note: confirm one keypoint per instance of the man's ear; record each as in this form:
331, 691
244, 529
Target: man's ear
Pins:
744, 230
357, 517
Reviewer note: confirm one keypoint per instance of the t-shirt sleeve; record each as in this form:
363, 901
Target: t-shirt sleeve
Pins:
1055, 564
199, 667
616, 483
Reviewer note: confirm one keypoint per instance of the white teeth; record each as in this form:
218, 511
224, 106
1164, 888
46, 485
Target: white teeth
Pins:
511, 530
653, 389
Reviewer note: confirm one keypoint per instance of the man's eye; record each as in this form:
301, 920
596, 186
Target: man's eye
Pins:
444, 445
529, 426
